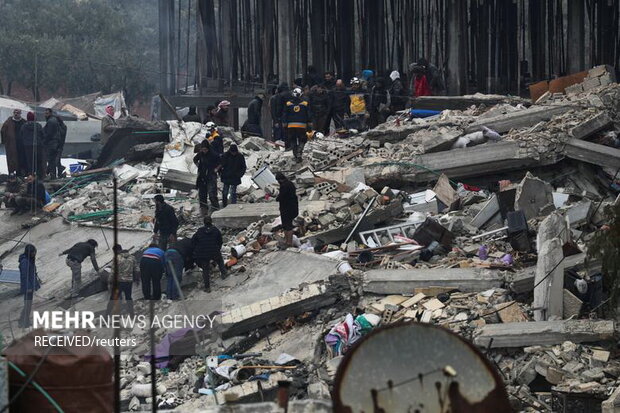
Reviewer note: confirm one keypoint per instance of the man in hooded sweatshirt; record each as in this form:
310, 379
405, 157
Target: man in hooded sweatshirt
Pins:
398, 93
28, 282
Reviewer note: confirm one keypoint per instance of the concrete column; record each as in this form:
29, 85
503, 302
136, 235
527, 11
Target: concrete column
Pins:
576, 36
166, 51
285, 41
456, 34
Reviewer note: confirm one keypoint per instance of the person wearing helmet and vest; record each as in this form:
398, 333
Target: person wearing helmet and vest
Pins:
215, 140
297, 120
357, 105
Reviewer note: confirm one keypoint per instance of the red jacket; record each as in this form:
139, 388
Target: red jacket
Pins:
421, 86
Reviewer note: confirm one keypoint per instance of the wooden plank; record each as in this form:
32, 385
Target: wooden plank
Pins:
544, 333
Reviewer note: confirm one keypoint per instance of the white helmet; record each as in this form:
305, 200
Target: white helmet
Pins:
211, 126
319, 135
297, 92
355, 81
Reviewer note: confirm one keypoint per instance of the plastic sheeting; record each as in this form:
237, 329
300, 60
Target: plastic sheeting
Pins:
115, 99
179, 153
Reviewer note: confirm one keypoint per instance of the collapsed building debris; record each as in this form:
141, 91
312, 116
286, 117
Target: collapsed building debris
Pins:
396, 224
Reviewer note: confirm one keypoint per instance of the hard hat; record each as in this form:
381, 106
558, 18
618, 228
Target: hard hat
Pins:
297, 92
355, 81
319, 135
211, 126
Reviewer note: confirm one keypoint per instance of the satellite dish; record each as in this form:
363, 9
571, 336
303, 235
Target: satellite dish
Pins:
417, 368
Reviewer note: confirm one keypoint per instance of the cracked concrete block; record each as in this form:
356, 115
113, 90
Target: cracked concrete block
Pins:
533, 196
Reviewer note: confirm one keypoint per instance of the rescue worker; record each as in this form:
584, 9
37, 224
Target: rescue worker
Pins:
296, 120
216, 142
207, 243
208, 163
166, 222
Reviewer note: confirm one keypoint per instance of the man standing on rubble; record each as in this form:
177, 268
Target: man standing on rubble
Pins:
320, 107
12, 145
52, 138
28, 282
289, 206
207, 243
398, 93
174, 271
75, 256
233, 169
166, 222
379, 103
340, 104
128, 272
251, 127
220, 115
151, 270
357, 105
31, 137
296, 120
208, 163
108, 125
216, 142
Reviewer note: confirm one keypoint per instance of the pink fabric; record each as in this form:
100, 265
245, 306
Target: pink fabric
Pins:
223, 104
109, 110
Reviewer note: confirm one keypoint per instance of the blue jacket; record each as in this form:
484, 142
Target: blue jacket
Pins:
154, 253
28, 280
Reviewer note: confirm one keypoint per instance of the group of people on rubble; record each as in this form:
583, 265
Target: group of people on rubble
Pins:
32, 149
212, 162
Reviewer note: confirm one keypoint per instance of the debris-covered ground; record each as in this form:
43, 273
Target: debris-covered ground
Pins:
478, 220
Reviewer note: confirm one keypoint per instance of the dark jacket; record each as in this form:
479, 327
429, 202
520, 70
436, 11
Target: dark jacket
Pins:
320, 102
378, 96
80, 251
207, 242
216, 144
341, 103
31, 134
289, 204
166, 220
186, 249
206, 163
398, 95
220, 117
233, 168
254, 111
36, 190
297, 113
277, 102
28, 280
51, 132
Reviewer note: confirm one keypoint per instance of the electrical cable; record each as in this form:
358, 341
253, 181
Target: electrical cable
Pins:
28, 380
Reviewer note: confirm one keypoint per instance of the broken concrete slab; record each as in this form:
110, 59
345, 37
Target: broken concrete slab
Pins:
519, 119
544, 333
242, 215
445, 193
463, 102
488, 211
271, 310
592, 153
549, 281
593, 125
553, 226
183, 181
405, 281
534, 196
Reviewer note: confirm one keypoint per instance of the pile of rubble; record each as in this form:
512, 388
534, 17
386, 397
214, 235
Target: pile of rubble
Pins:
457, 220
